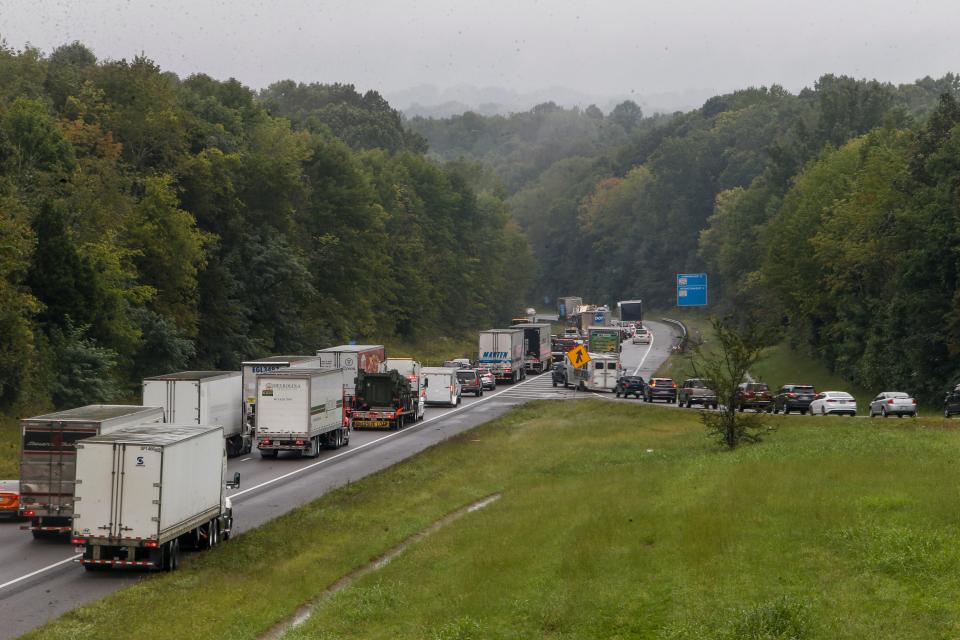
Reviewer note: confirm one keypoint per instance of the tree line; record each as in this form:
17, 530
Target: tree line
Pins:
150, 223
829, 215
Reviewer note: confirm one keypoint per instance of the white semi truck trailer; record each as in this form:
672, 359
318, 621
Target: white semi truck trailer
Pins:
144, 493
301, 410
203, 397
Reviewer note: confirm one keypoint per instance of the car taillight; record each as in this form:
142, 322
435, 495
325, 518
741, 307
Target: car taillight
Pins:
914, 400
299, 443
265, 441
150, 543
674, 385
77, 541
830, 400
890, 401
791, 395
29, 512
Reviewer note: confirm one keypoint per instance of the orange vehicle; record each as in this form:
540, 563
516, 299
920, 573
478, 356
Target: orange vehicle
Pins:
9, 498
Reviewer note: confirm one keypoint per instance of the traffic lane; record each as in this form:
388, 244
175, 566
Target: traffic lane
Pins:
20, 553
255, 470
36, 599
264, 504
649, 357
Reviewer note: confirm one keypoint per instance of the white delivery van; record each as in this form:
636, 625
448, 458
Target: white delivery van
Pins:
442, 386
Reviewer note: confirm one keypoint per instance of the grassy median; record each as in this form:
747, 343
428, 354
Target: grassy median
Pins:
616, 520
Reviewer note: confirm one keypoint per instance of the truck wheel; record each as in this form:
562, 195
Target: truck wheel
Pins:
346, 436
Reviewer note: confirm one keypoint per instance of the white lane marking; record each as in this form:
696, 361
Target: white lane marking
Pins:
644, 358
373, 442
245, 459
39, 571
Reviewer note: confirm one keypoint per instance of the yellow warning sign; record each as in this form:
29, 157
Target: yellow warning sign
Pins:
578, 356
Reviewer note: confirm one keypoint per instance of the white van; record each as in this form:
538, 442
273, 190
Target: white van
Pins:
442, 385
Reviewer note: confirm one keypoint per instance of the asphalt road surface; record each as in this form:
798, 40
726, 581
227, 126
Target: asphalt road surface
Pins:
39, 579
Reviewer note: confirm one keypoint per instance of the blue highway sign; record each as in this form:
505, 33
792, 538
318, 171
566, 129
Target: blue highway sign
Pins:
691, 289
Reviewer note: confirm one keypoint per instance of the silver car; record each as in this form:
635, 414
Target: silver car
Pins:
893, 403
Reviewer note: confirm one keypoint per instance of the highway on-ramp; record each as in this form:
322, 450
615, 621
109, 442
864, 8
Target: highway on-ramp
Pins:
39, 580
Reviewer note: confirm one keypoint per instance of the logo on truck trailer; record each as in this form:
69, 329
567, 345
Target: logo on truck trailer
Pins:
495, 355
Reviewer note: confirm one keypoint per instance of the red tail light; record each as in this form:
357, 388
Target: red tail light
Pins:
653, 383
265, 441
791, 395
299, 443
914, 400
150, 543
830, 400
890, 401
674, 385
29, 512
77, 541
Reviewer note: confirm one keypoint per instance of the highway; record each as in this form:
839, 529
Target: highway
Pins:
39, 580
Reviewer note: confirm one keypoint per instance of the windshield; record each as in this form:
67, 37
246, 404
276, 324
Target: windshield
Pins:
756, 386
898, 395
803, 388
466, 376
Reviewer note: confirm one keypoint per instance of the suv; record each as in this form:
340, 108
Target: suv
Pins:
697, 391
559, 374
660, 389
794, 397
629, 386
487, 379
753, 395
470, 381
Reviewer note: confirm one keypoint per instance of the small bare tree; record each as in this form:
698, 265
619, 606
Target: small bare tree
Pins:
725, 362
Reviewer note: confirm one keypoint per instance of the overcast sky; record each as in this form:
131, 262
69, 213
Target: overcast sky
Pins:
602, 48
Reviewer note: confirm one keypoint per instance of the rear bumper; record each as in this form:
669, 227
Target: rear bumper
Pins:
704, 400
841, 412
796, 405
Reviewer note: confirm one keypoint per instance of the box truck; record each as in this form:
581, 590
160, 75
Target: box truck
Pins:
442, 385
631, 311
537, 349
48, 459
144, 493
203, 397
252, 368
301, 410
501, 350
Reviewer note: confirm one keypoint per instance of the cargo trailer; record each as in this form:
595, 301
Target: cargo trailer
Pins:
538, 356
300, 410
48, 459
252, 368
203, 397
501, 350
143, 494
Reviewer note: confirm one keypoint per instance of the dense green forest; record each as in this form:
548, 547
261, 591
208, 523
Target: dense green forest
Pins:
150, 223
831, 215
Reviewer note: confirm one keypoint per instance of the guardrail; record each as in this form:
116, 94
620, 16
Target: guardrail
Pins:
683, 339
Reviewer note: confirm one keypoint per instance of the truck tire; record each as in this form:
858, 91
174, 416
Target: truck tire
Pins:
213, 533
170, 558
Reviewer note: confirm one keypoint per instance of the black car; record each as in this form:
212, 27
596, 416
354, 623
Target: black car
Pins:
629, 386
794, 397
951, 404
660, 389
559, 374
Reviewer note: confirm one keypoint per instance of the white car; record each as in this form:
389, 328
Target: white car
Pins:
893, 403
642, 336
833, 403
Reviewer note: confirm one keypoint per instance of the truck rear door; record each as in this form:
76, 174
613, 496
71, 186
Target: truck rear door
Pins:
137, 502
186, 397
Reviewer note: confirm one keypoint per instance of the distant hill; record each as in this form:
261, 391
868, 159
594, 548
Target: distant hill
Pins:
430, 101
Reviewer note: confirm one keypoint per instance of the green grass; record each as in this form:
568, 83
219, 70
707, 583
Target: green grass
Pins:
433, 352
616, 520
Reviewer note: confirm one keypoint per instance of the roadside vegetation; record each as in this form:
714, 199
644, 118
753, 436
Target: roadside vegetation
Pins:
616, 520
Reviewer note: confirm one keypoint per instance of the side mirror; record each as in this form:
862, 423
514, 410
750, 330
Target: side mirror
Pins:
235, 483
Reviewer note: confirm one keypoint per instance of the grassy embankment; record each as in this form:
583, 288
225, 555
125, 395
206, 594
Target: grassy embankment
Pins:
616, 520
